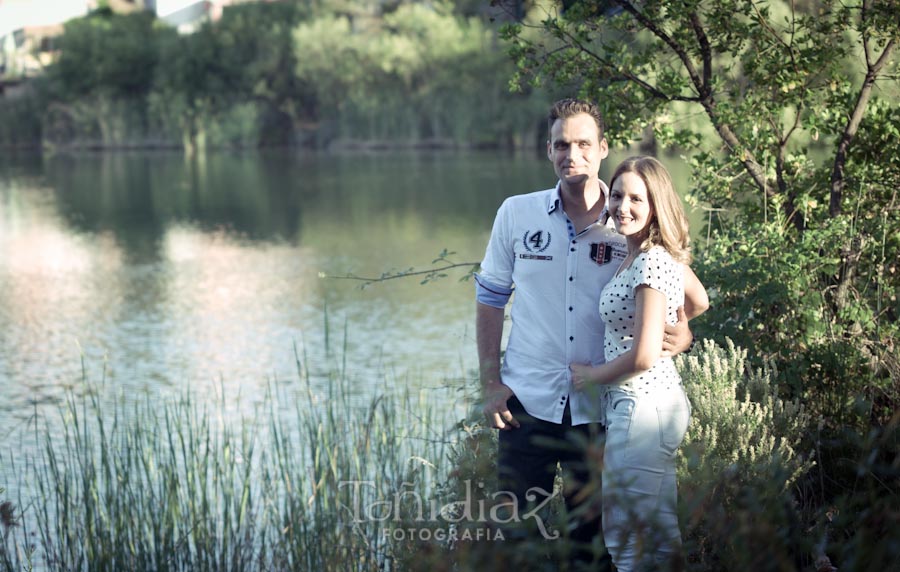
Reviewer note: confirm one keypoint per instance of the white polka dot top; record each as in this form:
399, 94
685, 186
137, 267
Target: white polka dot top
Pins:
657, 269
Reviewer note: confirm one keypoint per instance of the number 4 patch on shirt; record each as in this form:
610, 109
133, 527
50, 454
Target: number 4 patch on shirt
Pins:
537, 241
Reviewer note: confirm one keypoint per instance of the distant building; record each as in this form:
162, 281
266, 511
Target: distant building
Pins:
28, 27
27, 51
27, 32
184, 16
188, 15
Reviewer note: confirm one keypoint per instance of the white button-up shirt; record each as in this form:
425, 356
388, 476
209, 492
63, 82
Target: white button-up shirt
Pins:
558, 276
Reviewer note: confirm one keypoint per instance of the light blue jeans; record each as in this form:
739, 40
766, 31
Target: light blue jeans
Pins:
643, 432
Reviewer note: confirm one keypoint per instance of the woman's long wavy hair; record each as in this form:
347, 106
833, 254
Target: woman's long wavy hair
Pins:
669, 225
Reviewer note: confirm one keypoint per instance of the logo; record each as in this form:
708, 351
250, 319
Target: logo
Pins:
537, 241
406, 515
601, 252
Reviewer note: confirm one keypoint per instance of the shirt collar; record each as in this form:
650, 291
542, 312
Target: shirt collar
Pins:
555, 201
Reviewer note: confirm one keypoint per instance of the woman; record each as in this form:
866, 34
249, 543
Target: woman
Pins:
647, 411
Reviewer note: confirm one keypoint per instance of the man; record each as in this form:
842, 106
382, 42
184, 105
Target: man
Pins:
555, 247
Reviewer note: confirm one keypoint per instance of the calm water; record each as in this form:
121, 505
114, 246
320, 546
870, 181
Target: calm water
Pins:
144, 273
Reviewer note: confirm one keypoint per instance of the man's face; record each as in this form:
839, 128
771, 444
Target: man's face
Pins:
576, 149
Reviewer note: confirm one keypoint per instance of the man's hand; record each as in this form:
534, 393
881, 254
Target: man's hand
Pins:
495, 408
582, 376
677, 338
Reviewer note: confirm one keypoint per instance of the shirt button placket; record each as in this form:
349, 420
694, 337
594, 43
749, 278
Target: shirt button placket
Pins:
570, 292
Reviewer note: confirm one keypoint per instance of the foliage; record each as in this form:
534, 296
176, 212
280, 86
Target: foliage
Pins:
420, 72
792, 142
739, 423
20, 125
789, 113
741, 454
743, 498
864, 519
262, 35
167, 483
428, 275
244, 59
788, 110
773, 299
7, 522
107, 54
95, 91
282, 73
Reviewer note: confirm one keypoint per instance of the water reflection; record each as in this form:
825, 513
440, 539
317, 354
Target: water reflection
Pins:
159, 275
152, 274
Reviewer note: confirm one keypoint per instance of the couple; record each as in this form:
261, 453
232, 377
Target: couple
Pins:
596, 317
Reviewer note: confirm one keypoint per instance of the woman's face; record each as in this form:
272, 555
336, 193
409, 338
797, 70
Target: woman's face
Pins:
629, 205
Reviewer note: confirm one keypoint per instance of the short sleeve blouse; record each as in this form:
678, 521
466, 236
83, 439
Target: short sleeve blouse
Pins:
658, 270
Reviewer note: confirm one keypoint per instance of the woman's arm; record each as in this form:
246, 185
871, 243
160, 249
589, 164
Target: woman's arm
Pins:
678, 337
650, 317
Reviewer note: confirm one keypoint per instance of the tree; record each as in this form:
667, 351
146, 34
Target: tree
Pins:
788, 111
260, 36
107, 53
107, 61
785, 91
412, 73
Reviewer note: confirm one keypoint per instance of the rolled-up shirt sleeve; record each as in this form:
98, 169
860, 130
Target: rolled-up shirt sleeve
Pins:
494, 282
491, 294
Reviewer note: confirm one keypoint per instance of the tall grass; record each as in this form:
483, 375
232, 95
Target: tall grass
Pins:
316, 479
178, 484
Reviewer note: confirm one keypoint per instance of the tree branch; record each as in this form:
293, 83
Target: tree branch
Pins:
617, 74
838, 182
667, 39
705, 51
707, 100
430, 274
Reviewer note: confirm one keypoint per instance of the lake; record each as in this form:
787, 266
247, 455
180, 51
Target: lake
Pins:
142, 273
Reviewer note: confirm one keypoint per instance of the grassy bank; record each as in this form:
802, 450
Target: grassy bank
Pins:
316, 480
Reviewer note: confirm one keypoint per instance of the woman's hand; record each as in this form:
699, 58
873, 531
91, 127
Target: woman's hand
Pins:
582, 376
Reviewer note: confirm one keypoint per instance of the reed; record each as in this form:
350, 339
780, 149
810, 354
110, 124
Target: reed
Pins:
179, 484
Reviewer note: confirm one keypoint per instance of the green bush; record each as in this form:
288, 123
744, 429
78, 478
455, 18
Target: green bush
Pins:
738, 422
738, 470
741, 459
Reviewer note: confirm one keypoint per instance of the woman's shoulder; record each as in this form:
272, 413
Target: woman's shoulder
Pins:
655, 266
658, 255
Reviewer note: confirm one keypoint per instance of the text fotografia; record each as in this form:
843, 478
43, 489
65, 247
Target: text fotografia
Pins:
495, 512
450, 534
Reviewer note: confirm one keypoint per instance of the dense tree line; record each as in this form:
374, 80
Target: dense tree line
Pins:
281, 73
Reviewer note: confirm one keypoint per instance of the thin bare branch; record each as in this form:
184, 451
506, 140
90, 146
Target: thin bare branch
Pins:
404, 274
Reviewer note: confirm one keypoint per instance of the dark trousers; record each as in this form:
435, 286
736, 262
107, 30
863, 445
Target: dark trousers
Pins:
528, 457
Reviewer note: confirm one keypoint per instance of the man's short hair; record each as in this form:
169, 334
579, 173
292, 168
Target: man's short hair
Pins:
569, 107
